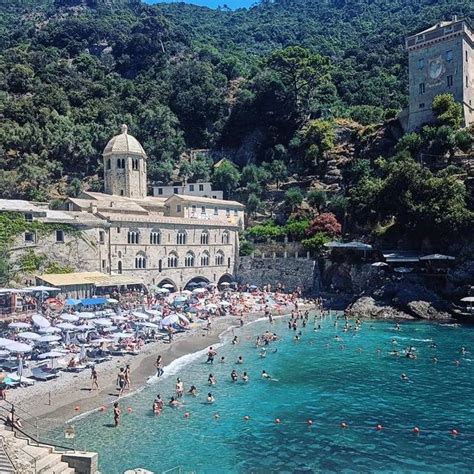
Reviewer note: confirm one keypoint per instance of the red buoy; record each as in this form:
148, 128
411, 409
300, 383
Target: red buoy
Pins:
379, 427
416, 430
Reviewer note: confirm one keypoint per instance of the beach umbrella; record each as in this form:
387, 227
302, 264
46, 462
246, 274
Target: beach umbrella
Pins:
168, 285
31, 336
67, 326
468, 299
72, 302
51, 355
180, 299
169, 320
192, 284
49, 330
139, 315
19, 325
109, 328
103, 322
71, 318
199, 290
211, 306
186, 292
146, 324
112, 300
18, 347
40, 321
4, 342
437, 256
403, 270
85, 327
49, 338
224, 283
119, 318
121, 335
379, 264
162, 290
154, 312
86, 315
100, 340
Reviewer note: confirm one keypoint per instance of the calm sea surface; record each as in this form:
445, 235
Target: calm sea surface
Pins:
319, 378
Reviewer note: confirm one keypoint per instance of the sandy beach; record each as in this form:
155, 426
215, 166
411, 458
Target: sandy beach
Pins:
57, 401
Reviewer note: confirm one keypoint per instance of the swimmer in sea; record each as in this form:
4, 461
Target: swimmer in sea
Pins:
234, 376
235, 340
240, 360
179, 388
263, 353
457, 363
210, 398
435, 360
211, 379
173, 403
296, 338
394, 341
193, 391
265, 375
245, 377
116, 414
222, 360
404, 377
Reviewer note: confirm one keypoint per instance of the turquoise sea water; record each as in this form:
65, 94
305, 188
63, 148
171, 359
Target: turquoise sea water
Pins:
320, 379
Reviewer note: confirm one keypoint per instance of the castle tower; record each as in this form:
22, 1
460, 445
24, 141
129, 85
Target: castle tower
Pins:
125, 166
440, 60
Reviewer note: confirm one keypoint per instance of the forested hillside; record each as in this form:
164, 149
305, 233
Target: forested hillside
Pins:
263, 86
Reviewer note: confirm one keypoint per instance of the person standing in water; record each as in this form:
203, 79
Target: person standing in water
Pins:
121, 381
116, 414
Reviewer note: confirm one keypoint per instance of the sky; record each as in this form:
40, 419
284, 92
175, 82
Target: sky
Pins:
213, 3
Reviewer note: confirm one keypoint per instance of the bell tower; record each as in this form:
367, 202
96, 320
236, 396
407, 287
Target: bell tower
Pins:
125, 166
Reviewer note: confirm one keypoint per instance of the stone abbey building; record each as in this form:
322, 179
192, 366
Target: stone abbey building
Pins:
440, 60
138, 238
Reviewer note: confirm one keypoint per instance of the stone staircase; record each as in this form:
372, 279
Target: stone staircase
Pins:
19, 456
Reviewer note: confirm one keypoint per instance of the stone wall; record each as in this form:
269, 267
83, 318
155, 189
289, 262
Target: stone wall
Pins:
290, 272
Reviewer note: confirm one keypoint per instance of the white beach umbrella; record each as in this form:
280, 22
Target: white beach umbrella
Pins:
85, 327
72, 318
211, 306
19, 325
103, 322
162, 290
67, 326
100, 340
168, 286
49, 338
112, 300
51, 355
18, 347
49, 330
4, 342
199, 290
139, 315
31, 336
186, 292
468, 299
40, 321
119, 318
146, 324
169, 320
109, 328
379, 264
86, 315
121, 335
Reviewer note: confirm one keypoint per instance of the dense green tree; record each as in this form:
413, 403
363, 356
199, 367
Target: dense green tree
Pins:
293, 198
317, 198
226, 177
254, 204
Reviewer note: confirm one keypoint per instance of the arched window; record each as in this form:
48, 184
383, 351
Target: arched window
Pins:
225, 237
189, 260
108, 163
155, 237
181, 237
119, 266
205, 259
133, 237
172, 260
135, 164
220, 258
160, 265
140, 260
121, 163
205, 238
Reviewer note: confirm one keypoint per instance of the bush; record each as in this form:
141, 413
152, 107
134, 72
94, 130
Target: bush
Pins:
246, 248
268, 230
316, 243
324, 223
253, 204
293, 197
296, 229
317, 198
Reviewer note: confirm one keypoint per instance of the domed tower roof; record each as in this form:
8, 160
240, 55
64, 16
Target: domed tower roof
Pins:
124, 144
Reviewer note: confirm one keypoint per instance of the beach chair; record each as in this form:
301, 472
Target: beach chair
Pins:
23, 381
43, 373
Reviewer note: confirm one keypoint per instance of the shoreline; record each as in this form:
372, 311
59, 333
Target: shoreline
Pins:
63, 400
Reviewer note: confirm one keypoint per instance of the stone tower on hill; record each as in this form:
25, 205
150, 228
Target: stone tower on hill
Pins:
440, 60
125, 166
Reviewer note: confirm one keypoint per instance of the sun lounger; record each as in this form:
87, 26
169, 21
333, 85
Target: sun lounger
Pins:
76, 368
43, 373
21, 380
